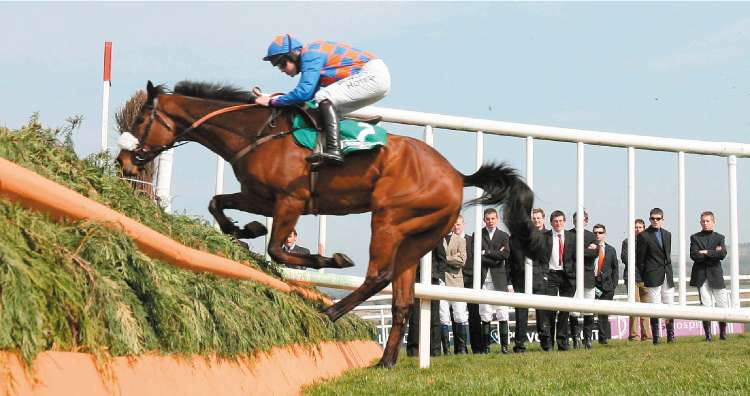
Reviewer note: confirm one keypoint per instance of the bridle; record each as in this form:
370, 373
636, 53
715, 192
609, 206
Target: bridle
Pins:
143, 154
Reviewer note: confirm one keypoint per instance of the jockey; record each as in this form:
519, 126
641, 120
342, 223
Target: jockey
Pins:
340, 79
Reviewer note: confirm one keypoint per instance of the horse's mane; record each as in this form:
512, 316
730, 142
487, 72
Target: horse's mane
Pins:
214, 91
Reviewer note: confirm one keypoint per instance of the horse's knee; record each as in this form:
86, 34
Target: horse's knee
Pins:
213, 205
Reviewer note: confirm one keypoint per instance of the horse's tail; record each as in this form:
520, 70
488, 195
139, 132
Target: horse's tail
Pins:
503, 186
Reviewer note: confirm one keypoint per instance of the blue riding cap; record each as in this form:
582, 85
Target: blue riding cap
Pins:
282, 44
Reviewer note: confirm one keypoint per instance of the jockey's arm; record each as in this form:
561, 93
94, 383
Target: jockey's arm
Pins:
311, 63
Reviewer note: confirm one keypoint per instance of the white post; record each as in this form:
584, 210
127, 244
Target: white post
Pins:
164, 180
734, 234
528, 265
478, 219
269, 227
219, 188
382, 328
105, 93
579, 223
631, 225
426, 279
322, 226
681, 224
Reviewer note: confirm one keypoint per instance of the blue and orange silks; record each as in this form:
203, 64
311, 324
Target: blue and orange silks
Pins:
322, 63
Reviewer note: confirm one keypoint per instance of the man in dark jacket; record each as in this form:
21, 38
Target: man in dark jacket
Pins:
590, 251
517, 267
653, 249
412, 336
707, 250
606, 275
495, 252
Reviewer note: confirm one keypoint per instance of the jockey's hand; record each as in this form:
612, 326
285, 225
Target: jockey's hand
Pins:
263, 100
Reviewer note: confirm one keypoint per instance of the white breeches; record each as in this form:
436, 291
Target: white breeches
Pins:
368, 86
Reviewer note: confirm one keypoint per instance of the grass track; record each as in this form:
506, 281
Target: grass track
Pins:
690, 366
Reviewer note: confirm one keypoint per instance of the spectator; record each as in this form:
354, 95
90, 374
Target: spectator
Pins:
559, 256
455, 248
652, 258
517, 269
707, 250
590, 252
640, 291
290, 246
606, 276
495, 252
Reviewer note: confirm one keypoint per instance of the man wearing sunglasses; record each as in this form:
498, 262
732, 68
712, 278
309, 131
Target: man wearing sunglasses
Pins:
606, 274
339, 77
653, 249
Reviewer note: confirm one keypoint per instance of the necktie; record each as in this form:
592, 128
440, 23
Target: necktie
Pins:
601, 260
561, 250
658, 239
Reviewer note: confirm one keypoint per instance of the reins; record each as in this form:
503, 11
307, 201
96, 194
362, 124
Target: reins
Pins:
257, 140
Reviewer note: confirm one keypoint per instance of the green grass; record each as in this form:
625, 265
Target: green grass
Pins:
690, 366
79, 286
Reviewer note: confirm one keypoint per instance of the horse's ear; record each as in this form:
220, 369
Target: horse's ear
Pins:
151, 91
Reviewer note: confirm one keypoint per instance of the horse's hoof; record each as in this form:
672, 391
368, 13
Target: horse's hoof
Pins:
254, 229
342, 261
332, 314
384, 364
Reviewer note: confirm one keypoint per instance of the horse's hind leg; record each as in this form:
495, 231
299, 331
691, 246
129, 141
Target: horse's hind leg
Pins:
406, 263
238, 201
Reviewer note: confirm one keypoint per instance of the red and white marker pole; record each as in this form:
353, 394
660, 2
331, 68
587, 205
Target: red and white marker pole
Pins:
105, 94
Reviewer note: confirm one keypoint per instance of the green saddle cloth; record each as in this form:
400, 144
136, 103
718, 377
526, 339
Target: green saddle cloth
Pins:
355, 135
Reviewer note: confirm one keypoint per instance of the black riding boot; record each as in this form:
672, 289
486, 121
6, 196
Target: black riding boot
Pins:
655, 330
485, 340
459, 339
588, 327
445, 339
670, 330
504, 336
575, 331
332, 150
707, 330
722, 330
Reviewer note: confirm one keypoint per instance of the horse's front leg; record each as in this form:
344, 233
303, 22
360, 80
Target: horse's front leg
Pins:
286, 212
237, 201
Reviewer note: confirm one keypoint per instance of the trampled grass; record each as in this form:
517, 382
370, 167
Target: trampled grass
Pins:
79, 286
690, 366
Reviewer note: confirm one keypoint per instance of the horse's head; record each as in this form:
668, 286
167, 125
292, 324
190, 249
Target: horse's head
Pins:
150, 133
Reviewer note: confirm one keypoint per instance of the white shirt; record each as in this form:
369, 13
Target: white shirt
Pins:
288, 249
491, 232
554, 258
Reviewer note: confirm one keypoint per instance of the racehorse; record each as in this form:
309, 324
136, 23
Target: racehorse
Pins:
412, 191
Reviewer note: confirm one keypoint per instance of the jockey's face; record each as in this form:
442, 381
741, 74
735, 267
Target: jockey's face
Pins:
288, 68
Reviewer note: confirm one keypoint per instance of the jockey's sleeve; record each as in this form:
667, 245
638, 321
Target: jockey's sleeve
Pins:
311, 63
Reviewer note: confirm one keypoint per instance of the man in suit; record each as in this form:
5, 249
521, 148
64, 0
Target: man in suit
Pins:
640, 290
559, 255
653, 249
412, 335
606, 275
707, 250
517, 275
290, 246
495, 253
590, 251
455, 248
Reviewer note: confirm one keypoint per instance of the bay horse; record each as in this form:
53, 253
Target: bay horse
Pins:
412, 191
